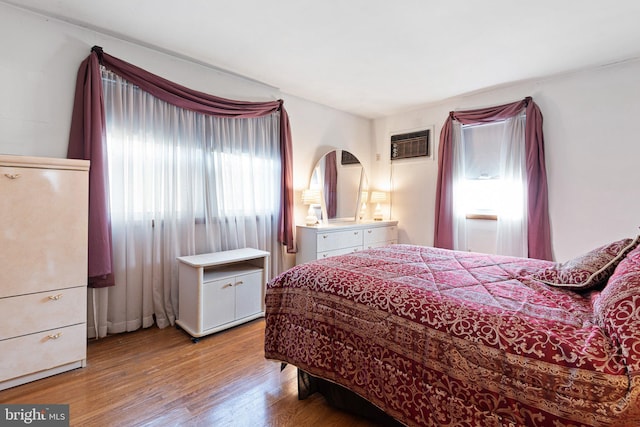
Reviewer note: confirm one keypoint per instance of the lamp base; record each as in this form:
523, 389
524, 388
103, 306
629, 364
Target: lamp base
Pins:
311, 220
377, 214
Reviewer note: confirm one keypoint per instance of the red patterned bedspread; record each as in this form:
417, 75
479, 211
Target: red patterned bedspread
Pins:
444, 338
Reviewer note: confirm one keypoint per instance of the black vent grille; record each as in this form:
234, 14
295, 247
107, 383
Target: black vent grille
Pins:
409, 145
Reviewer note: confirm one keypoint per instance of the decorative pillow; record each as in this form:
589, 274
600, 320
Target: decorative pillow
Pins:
589, 270
617, 308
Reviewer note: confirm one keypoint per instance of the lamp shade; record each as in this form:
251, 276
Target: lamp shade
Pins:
378, 197
311, 196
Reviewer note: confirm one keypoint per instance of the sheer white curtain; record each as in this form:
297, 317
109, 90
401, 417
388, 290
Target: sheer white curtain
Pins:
489, 176
181, 183
512, 206
460, 190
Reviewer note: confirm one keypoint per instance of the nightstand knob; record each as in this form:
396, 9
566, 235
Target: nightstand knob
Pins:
55, 297
55, 336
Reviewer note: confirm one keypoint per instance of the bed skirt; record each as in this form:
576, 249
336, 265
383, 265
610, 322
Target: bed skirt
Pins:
343, 399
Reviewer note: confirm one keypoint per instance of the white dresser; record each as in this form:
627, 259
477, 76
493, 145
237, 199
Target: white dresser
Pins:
43, 267
221, 289
321, 241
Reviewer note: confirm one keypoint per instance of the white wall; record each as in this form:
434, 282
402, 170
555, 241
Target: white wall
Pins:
40, 60
591, 148
589, 121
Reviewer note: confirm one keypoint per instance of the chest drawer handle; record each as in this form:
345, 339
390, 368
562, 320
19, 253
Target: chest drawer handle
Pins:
324, 236
239, 283
55, 297
12, 175
55, 336
355, 233
369, 231
227, 285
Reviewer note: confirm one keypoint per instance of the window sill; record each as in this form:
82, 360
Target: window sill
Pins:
488, 217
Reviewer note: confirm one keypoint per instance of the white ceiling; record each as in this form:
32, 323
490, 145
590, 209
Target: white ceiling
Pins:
372, 57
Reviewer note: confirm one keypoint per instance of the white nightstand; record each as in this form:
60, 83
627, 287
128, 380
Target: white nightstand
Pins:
220, 290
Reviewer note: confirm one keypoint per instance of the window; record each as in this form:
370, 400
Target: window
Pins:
165, 160
490, 182
523, 218
252, 171
481, 176
487, 187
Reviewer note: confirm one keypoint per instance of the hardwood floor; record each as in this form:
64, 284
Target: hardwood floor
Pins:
158, 377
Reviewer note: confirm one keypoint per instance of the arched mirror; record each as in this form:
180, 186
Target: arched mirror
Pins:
341, 179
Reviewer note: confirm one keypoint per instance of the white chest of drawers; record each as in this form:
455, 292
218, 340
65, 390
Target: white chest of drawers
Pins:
43, 267
317, 242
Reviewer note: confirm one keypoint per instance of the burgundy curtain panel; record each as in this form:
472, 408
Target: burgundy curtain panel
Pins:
331, 183
538, 226
87, 141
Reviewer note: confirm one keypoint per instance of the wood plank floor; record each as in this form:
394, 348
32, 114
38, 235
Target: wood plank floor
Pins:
158, 377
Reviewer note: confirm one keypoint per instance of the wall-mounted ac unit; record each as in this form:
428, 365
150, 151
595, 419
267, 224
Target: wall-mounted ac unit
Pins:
411, 144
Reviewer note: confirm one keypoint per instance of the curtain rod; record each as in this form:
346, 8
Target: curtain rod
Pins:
526, 100
98, 50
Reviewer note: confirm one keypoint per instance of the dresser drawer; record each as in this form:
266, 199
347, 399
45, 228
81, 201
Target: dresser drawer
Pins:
336, 252
380, 235
26, 314
318, 242
43, 350
339, 240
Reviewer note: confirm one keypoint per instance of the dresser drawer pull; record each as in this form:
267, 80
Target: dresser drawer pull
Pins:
227, 285
55, 336
369, 231
12, 175
55, 297
239, 283
355, 233
324, 236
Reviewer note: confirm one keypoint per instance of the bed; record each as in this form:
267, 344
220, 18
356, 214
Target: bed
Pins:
435, 337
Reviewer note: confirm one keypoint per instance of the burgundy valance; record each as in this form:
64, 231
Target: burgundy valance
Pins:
87, 141
538, 226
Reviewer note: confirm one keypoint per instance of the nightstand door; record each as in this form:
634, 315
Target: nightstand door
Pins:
249, 294
218, 305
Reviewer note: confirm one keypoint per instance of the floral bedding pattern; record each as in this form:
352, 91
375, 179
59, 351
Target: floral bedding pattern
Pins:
443, 338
